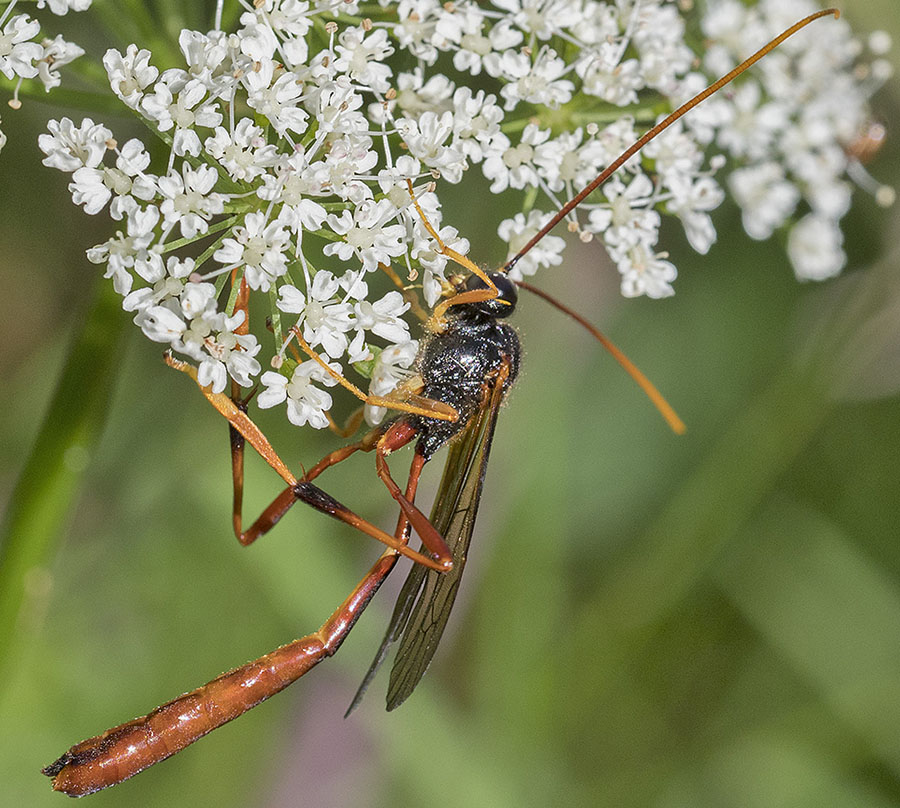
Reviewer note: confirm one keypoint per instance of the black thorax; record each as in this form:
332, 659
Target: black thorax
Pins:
457, 363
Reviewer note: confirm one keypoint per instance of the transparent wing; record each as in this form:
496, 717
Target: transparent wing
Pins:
402, 609
426, 598
454, 512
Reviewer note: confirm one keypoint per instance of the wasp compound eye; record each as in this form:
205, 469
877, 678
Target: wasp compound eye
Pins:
501, 306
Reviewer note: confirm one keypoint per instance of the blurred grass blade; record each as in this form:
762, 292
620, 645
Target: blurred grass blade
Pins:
50, 480
830, 611
769, 768
682, 544
715, 501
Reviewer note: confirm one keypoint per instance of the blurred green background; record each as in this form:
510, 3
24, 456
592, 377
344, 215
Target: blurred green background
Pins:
646, 620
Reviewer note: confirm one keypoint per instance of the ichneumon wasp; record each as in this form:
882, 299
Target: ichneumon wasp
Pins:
465, 367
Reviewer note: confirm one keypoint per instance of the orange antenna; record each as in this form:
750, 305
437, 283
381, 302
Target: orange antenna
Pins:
665, 409
661, 126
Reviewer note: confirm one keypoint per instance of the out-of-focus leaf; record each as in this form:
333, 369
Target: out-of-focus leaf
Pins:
681, 544
830, 611
771, 771
49, 483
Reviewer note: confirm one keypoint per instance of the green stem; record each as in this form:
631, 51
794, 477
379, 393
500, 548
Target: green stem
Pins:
208, 252
563, 120
530, 198
42, 501
105, 103
276, 317
224, 224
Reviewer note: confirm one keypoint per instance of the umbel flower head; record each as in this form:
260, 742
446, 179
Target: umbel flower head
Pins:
292, 142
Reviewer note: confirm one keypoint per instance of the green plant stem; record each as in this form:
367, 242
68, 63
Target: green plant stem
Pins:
566, 118
48, 487
276, 317
224, 224
82, 100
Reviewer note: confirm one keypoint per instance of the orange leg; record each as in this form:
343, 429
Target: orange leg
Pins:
123, 751
350, 426
270, 516
296, 489
409, 402
437, 322
384, 442
394, 437
304, 491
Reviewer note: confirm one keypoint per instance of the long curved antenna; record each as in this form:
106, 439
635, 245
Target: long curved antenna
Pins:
665, 409
437, 322
662, 125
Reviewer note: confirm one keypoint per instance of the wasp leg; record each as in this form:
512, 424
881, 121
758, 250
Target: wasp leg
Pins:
397, 435
437, 321
408, 294
415, 405
126, 750
302, 489
350, 425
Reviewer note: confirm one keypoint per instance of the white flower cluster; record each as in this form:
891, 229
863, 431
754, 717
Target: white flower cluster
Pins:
293, 141
789, 125
24, 54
